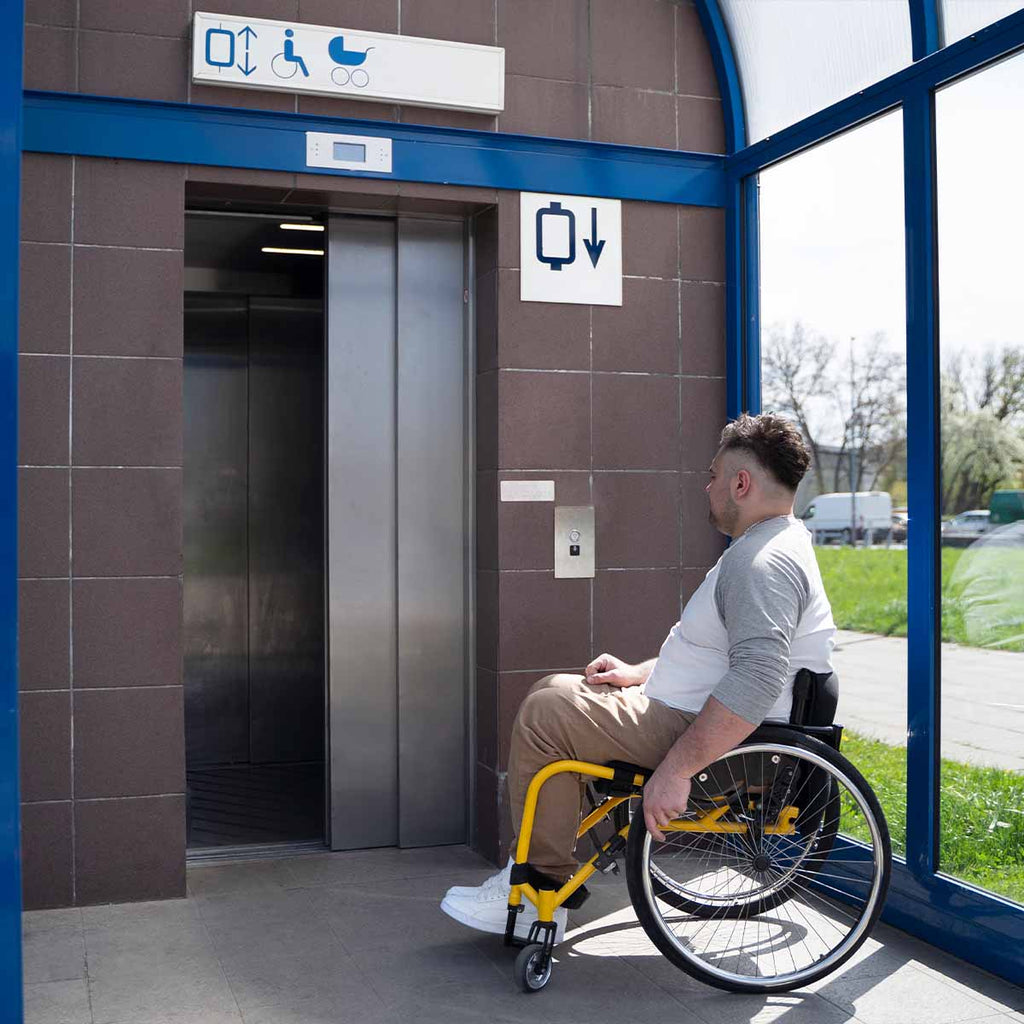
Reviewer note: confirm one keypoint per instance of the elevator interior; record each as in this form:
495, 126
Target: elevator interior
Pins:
254, 660
328, 531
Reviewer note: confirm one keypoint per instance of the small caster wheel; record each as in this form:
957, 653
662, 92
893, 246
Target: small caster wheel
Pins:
529, 973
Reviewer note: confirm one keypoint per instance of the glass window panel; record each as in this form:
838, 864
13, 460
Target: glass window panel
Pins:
962, 17
833, 347
980, 155
798, 56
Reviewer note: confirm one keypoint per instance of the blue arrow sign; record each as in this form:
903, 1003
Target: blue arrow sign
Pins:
247, 34
594, 246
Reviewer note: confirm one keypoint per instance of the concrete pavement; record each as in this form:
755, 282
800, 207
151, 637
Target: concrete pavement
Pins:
982, 697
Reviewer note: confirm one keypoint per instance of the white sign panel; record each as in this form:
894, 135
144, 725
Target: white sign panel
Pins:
527, 490
254, 53
570, 249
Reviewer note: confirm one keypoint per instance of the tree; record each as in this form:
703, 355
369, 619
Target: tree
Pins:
854, 406
979, 451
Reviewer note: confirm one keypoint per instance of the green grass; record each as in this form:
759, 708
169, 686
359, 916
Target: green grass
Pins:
982, 814
982, 593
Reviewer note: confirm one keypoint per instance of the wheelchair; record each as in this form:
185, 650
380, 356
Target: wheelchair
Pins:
771, 879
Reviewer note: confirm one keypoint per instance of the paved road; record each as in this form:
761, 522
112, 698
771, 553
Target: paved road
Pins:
982, 697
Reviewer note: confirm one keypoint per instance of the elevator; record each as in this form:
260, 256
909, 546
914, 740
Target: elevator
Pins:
326, 532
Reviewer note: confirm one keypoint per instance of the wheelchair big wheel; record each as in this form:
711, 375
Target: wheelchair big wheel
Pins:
766, 900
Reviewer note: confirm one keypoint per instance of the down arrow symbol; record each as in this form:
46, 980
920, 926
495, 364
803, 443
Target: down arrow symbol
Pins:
594, 247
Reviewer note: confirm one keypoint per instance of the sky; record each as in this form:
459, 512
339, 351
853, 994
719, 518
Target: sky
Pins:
832, 252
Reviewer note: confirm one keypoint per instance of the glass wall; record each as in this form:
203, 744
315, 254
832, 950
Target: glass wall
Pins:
833, 357
980, 153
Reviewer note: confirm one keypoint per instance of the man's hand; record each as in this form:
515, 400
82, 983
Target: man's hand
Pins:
665, 797
609, 669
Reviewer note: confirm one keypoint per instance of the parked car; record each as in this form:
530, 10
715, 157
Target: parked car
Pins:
975, 521
844, 516
900, 523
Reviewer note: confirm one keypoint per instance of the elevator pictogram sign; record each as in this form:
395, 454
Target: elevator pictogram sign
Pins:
570, 249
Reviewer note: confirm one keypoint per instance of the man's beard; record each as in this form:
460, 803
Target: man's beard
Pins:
727, 522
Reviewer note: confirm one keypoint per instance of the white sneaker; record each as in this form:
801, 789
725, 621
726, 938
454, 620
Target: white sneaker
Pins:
485, 907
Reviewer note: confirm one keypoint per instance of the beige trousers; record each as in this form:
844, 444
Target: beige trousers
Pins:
563, 716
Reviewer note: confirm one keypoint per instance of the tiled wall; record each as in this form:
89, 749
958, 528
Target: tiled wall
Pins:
629, 71
100, 530
620, 406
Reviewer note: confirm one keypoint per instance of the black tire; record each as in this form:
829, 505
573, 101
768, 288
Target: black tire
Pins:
803, 873
526, 972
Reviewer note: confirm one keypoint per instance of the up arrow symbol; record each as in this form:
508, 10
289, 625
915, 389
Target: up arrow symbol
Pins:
248, 35
594, 247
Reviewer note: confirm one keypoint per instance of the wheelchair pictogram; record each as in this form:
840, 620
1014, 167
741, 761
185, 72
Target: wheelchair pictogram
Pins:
288, 62
346, 59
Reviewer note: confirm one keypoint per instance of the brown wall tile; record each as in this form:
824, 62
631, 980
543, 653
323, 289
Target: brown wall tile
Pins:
702, 319
650, 239
544, 420
700, 127
633, 44
45, 198
485, 233
328, 106
695, 73
487, 420
487, 625
508, 234
702, 544
129, 742
540, 106
540, 335
544, 621
703, 404
636, 519
636, 422
44, 725
642, 333
129, 202
51, 12
486, 519
127, 412
44, 310
166, 18
46, 862
248, 99
43, 522
634, 611
43, 410
701, 244
632, 117
43, 634
128, 302
127, 522
130, 849
279, 10
448, 118
485, 838
282, 182
487, 322
127, 632
463, 21
157, 68
544, 39
368, 15
487, 717
50, 61
526, 528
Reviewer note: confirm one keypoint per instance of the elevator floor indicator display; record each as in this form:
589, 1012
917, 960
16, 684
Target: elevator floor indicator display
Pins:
571, 249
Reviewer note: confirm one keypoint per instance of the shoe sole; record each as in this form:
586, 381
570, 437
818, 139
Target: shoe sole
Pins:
470, 922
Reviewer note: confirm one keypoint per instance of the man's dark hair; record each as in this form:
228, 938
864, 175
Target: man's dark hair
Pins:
775, 442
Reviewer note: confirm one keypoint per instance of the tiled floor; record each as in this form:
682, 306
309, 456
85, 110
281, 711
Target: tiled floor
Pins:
358, 937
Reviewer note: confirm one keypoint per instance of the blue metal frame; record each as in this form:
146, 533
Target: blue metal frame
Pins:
265, 140
11, 32
984, 929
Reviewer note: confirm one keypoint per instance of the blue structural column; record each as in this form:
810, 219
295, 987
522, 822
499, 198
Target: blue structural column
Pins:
11, 32
923, 574
751, 340
924, 27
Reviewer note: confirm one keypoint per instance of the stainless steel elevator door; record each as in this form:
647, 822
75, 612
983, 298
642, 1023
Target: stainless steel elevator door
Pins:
397, 535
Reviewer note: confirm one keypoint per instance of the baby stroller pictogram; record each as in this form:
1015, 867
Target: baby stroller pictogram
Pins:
346, 59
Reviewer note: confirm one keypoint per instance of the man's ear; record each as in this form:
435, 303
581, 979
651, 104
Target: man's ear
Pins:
742, 481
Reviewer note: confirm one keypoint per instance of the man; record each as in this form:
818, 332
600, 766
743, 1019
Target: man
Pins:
727, 665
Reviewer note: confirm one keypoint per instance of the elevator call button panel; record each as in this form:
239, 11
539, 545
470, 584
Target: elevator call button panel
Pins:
574, 542
348, 152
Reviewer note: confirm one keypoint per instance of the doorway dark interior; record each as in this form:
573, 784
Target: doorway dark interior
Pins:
254, 661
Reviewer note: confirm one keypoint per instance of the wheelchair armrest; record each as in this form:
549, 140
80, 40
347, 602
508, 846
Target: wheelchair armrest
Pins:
622, 784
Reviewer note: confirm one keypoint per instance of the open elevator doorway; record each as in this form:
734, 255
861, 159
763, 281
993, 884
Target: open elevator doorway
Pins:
254, 540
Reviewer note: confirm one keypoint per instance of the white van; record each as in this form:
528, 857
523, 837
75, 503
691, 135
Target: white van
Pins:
830, 516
